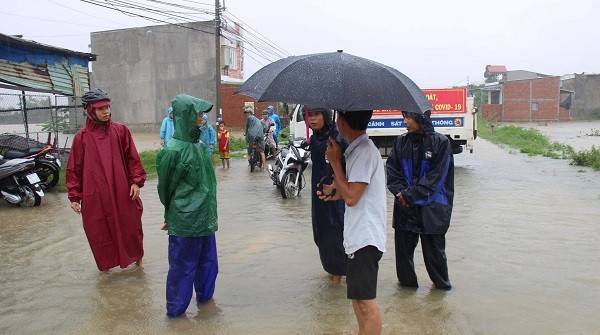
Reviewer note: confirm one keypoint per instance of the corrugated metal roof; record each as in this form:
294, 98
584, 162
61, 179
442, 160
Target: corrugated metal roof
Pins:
25, 74
37, 66
59, 78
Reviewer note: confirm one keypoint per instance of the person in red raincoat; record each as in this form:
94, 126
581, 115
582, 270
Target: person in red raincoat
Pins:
104, 175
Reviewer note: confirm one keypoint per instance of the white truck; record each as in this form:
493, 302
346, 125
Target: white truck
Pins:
452, 114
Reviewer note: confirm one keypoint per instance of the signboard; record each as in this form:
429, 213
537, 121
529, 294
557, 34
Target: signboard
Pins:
447, 100
444, 122
443, 101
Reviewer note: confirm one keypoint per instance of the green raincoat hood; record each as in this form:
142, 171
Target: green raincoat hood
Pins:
187, 186
185, 115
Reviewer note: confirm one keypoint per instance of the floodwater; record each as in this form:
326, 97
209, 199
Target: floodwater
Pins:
523, 252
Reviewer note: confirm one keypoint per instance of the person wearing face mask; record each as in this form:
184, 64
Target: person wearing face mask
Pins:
104, 175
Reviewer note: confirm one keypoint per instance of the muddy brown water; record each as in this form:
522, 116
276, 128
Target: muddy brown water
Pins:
523, 252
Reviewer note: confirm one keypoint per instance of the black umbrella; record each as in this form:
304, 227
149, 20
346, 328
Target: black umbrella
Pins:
335, 80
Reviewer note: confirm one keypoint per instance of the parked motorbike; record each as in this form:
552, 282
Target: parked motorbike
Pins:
19, 184
254, 158
288, 172
47, 162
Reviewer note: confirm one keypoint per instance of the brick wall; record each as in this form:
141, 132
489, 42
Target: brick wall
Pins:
491, 112
519, 98
233, 106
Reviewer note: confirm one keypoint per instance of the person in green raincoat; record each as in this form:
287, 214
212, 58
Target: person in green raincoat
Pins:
187, 189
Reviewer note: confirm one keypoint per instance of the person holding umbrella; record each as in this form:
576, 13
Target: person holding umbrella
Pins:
420, 175
362, 187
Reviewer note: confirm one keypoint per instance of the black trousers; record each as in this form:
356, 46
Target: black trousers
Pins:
434, 254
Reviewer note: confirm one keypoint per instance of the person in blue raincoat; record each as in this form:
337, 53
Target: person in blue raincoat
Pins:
420, 175
208, 136
187, 189
327, 216
166, 128
277, 121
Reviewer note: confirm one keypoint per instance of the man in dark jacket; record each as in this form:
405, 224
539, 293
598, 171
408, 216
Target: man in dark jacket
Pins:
327, 216
420, 175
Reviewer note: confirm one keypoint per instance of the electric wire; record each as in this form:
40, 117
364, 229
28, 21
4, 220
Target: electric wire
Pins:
157, 20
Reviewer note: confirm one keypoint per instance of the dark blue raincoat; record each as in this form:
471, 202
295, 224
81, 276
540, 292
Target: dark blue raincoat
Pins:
327, 216
421, 166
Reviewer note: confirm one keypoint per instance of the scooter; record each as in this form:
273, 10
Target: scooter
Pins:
19, 184
288, 172
254, 158
47, 162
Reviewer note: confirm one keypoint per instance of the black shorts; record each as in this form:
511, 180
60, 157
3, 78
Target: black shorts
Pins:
361, 276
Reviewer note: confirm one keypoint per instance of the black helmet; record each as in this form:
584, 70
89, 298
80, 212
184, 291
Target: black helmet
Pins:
327, 113
94, 95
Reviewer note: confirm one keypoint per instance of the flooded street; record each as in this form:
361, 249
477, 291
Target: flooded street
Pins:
523, 255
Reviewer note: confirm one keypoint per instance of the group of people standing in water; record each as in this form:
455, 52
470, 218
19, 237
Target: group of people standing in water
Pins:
349, 210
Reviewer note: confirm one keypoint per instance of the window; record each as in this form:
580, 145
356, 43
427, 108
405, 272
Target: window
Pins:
229, 59
535, 106
232, 58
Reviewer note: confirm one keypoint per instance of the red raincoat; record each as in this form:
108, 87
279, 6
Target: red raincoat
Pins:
102, 166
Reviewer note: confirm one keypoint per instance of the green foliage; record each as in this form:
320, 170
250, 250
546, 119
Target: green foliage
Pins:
148, 159
588, 158
237, 144
61, 187
61, 125
533, 143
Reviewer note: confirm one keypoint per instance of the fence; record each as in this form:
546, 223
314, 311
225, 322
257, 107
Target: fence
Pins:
41, 118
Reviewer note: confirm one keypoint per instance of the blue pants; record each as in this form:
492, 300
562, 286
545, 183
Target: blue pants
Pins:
192, 265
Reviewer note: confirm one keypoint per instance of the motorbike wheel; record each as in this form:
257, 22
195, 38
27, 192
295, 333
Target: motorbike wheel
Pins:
48, 175
288, 188
252, 160
29, 197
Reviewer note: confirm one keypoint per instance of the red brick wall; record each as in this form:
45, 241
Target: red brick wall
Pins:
491, 112
233, 106
517, 99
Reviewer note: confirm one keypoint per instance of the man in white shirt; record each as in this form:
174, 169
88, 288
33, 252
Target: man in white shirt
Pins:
363, 189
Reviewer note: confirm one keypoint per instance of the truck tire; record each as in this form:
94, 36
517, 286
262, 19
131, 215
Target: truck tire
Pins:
457, 149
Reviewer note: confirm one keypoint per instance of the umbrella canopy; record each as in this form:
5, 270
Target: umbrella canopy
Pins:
335, 80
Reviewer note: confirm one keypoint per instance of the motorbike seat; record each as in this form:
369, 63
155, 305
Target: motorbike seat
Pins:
10, 154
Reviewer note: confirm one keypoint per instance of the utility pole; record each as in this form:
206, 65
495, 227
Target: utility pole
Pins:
217, 104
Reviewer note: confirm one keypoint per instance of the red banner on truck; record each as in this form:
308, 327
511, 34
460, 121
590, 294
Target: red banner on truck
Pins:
443, 100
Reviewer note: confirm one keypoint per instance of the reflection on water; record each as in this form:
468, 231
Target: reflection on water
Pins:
522, 248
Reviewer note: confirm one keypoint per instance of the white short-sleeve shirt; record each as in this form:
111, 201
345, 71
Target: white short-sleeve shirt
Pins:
365, 222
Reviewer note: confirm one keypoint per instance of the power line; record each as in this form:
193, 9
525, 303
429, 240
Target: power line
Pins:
56, 21
157, 20
267, 42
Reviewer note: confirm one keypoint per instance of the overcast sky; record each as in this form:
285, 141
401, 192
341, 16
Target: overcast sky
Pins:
437, 43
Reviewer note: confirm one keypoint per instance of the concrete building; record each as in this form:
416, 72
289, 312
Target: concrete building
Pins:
144, 68
585, 99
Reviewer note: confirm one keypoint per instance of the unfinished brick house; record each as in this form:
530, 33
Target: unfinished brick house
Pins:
525, 96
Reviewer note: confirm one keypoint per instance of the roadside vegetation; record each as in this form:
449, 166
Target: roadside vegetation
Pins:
237, 147
533, 143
